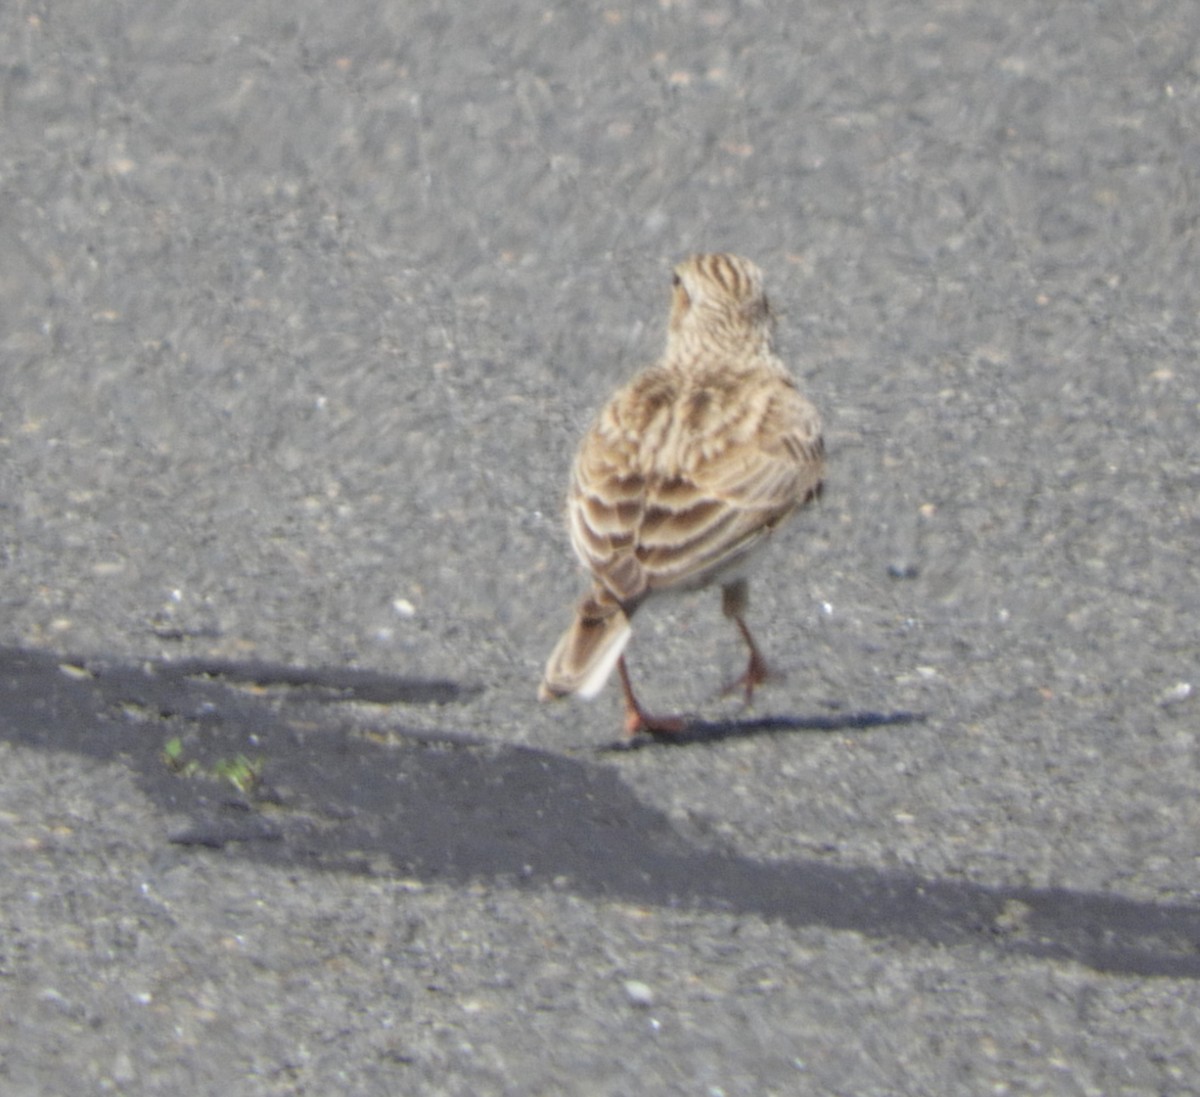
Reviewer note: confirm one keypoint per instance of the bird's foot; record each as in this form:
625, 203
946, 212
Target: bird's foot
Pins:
757, 674
638, 722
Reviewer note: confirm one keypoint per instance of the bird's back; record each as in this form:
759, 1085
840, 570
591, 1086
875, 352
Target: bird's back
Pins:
687, 467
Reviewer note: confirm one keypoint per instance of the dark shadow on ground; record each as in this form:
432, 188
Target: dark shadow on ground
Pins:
454, 808
704, 731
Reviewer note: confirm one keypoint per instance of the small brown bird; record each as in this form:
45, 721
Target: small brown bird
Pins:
683, 475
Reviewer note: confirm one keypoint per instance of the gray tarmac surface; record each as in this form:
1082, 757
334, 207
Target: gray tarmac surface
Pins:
302, 310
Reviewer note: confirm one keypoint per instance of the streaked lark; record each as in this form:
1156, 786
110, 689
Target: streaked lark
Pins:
682, 477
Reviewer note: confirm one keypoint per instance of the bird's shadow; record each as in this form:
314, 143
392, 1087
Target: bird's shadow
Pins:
336, 793
697, 731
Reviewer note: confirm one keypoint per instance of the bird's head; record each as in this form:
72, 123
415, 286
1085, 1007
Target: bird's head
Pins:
718, 300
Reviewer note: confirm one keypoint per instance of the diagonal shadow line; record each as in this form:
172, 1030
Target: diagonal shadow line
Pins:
314, 684
704, 731
453, 809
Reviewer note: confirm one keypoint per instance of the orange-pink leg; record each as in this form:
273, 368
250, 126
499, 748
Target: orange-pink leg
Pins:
734, 599
756, 669
637, 720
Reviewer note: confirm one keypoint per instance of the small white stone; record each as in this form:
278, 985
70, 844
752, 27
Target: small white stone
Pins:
639, 994
1180, 691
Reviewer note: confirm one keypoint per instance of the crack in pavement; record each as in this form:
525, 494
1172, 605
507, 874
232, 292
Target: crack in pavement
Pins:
450, 807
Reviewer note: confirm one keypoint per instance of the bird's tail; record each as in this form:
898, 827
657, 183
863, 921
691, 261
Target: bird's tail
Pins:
585, 656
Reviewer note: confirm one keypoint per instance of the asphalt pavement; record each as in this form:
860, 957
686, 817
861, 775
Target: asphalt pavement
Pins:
303, 309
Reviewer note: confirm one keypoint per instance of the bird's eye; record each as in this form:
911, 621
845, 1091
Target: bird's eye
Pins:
676, 280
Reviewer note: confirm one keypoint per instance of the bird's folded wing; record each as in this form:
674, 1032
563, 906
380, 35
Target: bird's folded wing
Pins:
640, 528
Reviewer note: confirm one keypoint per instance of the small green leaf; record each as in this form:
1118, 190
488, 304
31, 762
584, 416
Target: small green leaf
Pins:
241, 772
173, 753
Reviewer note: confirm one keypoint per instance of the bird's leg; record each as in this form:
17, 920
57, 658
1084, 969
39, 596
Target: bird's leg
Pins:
735, 597
637, 719
757, 671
